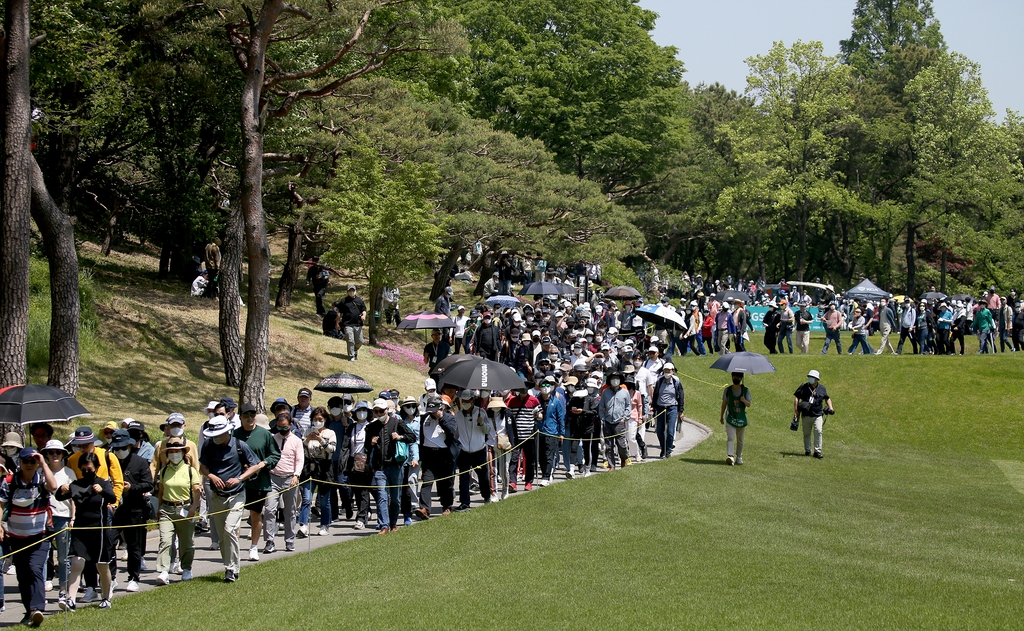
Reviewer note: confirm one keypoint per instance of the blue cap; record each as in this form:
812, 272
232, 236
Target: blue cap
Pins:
83, 435
229, 403
27, 452
384, 394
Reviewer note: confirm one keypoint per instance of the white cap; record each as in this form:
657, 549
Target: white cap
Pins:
212, 405
380, 404
814, 373
516, 317
429, 384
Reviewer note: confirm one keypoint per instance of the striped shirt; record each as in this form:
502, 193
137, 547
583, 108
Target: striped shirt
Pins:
27, 505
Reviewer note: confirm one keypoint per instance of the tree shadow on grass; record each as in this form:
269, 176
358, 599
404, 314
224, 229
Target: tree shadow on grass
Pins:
705, 461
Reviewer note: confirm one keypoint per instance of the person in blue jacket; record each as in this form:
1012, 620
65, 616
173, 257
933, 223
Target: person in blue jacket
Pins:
551, 424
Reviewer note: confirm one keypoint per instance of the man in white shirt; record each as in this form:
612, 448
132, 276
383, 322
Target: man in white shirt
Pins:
461, 321
474, 429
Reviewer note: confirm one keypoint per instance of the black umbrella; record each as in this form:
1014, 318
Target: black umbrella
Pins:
730, 295
932, 296
38, 404
345, 383
450, 361
622, 292
543, 288
482, 374
750, 363
962, 297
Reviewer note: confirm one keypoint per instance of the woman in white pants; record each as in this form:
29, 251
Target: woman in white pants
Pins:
735, 401
499, 445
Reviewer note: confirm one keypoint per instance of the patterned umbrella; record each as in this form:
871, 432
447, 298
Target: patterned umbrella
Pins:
38, 404
661, 315
343, 382
505, 302
622, 292
426, 320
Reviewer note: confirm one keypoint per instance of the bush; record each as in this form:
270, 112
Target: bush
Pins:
38, 352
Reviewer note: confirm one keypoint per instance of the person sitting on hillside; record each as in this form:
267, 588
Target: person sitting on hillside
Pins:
331, 323
200, 283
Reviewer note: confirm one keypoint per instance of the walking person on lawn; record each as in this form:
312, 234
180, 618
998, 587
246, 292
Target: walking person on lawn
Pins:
135, 508
809, 404
284, 490
262, 443
735, 401
439, 444
668, 402
474, 430
91, 538
178, 486
353, 314
383, 433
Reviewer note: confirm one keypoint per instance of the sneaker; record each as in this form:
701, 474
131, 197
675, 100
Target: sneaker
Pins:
214, 545
627, 462
163, 579
446, 511
512, 487
142, 565
323, 532
66, 604
545, 482
49, 586
739, 461
303, 531
176, 568
384, 531
587, 473
270, 548
89, 595
186, 575
420, 514
122, 555
407, 521
104, 604
289, 547
230, 576
462, 508
730, 461
359, 525
113, 585
807, 452
36, 617
254, 554
818, 455
529, 486
569, 474
133, 586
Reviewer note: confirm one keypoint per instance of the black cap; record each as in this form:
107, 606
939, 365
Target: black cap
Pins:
246, 408
305, 392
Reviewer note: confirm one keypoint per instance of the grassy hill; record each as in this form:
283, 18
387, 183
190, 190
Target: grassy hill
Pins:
912, 520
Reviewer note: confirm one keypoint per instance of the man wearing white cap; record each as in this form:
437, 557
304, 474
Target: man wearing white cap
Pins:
429, 392
227, 463
809, 405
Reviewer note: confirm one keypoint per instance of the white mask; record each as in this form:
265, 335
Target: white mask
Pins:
121, 453
175, 456
336, 411
349, 407
361, 415
318, 424
11, 451
614, 383
546, 389
177, 430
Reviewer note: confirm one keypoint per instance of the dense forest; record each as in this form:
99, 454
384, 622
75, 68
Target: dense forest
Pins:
384, 133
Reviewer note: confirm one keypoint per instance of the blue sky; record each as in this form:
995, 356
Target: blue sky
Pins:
715, 37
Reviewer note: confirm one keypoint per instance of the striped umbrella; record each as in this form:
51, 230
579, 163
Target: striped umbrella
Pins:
426, 320
343, 382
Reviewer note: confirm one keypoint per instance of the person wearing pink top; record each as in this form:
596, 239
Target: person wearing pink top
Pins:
636, 415
284, 484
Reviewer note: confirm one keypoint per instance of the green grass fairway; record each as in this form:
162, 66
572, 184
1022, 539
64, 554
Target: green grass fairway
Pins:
909, 523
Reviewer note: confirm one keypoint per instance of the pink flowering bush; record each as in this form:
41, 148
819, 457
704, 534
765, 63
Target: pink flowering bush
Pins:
398, 354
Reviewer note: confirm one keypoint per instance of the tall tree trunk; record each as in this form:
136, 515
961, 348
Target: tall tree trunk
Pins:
229, 295
257, 324
441, 280
108, 240
290, 273
59, 243
14, 214
373, 296
165, 261
910, 250
801, 260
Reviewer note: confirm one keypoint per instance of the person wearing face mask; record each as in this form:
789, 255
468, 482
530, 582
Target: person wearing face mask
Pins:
474, 429
173, 427
522, 424
614, 410
438, 448
178, 489
227, 462
284, 480
135, 507
24, 503
668, 400
11, 448
339, 417
499, 445
92, 496
262, 443
383, 432
353, 314
319, 444
487, 341
409, 412
579, 419
62, 514
809, 406
353, 461
429, 392
551, 423
735, 401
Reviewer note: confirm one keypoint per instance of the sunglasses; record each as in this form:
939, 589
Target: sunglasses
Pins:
247, 414
52, 453
26, 461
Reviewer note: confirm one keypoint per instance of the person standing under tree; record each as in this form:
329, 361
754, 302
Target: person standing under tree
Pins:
735, 401
320, 277
353, 314
809, 404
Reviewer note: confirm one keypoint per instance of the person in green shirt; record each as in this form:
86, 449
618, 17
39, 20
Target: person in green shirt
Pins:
262, 443
983, 326
735, 401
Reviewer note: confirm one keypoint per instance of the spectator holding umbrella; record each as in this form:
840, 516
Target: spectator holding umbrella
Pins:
735, 401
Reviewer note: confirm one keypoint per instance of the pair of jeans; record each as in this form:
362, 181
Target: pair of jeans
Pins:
306, 492
830, 336
388, 483
528, 451
905, 333
859, 339
786, 333
665, 427
284, 495
60, 546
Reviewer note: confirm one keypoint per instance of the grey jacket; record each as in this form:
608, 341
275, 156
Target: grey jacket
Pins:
614, 405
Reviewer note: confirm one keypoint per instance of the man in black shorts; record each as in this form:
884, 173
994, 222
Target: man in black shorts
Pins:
262, 443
